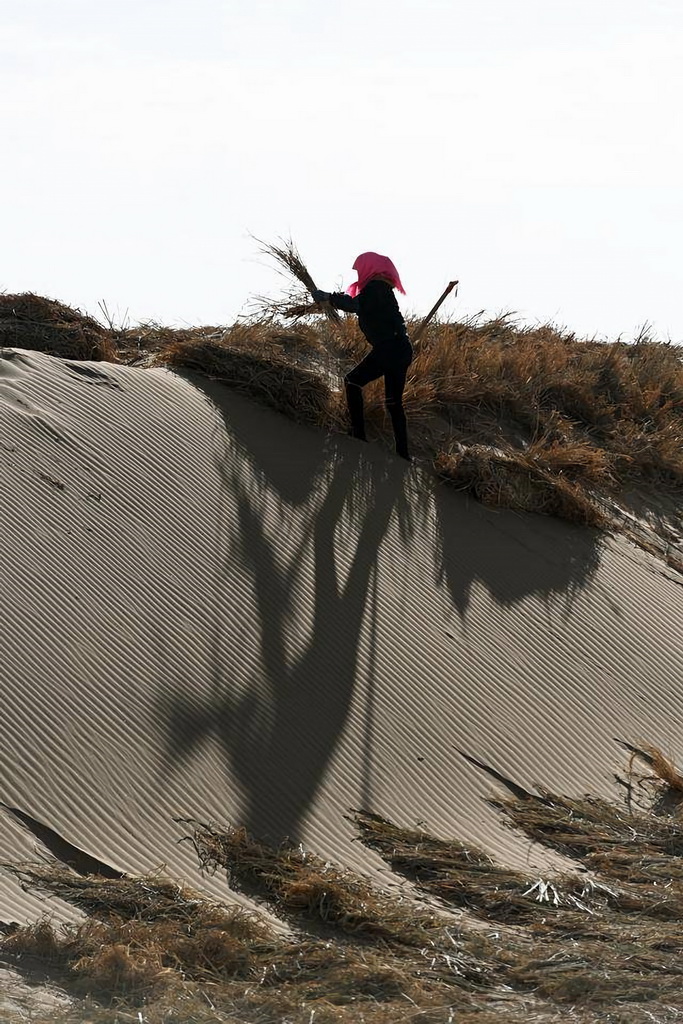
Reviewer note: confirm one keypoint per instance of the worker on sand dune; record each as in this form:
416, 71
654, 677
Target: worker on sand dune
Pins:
379, 318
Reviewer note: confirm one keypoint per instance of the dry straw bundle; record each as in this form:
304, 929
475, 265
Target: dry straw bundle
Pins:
297, 392
287, 256
148, 898
518, 479
30, 321
304, 888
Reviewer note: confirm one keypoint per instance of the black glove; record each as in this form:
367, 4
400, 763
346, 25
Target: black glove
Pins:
319, 296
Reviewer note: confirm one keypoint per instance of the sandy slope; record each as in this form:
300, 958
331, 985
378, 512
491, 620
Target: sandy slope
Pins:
209, 611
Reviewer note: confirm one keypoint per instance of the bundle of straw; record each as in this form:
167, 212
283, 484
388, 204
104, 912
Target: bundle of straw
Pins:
287, 255
45, 325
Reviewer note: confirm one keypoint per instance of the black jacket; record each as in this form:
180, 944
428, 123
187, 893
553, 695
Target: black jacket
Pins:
379, 317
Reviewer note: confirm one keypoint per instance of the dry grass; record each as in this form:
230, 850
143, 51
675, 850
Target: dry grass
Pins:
461, 876
600, 945
180, 950
531, 419
634, 857
526, 418
301, 887
639, 846
662, 784
30, 321
298, 393
287, 257
527, 480
598, 939
152, 898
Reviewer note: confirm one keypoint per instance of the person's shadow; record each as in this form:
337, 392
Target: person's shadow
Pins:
317, 603
280, 732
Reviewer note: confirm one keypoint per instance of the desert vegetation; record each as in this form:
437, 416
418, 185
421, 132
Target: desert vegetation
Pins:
530, 418
465, 939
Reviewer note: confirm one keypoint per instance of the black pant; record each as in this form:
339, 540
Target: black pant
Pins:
394, 369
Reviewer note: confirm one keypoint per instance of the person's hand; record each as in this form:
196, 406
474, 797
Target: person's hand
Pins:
319, 296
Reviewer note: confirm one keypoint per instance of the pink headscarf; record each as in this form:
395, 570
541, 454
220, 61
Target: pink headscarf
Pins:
369, 265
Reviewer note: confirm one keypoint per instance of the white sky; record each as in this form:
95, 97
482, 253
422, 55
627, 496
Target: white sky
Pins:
531, 148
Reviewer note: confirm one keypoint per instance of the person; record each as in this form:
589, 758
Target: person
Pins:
372, 298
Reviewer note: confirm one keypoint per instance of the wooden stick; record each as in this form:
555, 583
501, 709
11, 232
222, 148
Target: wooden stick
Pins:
416, 335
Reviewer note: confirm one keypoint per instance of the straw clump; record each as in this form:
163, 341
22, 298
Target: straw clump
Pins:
302, 887
663, 780
523, 480
640, 846
269, 378
286, 255
30, 321
141, 935
601, 944
181, 949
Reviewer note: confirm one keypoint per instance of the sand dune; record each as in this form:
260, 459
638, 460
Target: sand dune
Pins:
211, 612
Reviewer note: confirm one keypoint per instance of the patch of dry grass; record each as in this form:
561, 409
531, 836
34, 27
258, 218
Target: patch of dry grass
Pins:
531, 419
535, 480
180, 950
295, 391
635, 846
526, 418
600, 945
303, 888
33, 322
460, 875
152, 898
641, 848
140, 934
608, 937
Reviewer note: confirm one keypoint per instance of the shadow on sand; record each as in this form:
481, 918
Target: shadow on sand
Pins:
279, 734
